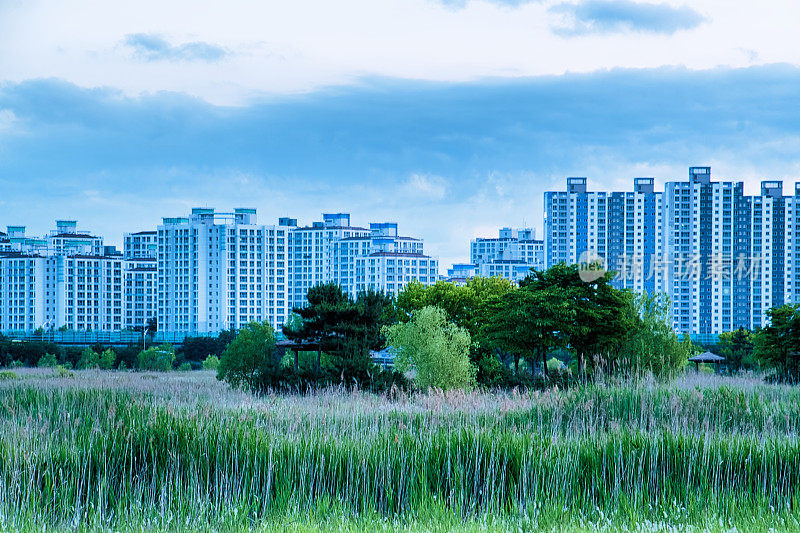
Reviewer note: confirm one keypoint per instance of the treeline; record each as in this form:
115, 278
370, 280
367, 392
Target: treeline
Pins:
195, 353
553, 328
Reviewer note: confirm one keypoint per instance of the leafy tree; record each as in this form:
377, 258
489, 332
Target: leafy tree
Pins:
462, 303
652, 345
107, 359
737, 349
436, 349
88, 359
777, 346
159, 358
601, 316
48, 360
465, 306
528, 323
211, 363
250, 357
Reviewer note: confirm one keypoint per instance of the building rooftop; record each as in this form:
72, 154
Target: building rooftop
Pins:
308, 228
398, 254
74, 236
144, 233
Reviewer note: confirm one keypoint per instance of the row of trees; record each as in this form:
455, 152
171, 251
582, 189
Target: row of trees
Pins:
488, 332
192, 355
513, 331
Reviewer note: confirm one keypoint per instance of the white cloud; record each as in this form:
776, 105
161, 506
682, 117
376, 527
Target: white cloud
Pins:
425, 187
301, 45
7, 119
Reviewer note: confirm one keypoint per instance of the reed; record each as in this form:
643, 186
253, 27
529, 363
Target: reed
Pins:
164, 452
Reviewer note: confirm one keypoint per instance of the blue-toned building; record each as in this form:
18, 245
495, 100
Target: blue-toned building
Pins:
622, 228
722, 257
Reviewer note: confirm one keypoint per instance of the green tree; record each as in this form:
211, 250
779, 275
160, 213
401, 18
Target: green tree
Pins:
737, 349
528, 323
777, 346
88, 359
437, 350
159, 358
462, 303
48, 360
211, 363
601, 315
652, 345
107, 359
344, 328
249, 357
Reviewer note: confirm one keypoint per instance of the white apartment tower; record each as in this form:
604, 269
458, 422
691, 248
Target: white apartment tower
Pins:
511, 255
222, 270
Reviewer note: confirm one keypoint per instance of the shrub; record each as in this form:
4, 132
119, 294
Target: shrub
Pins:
211, 363
437, 350
248, 356
48, 360
159, 358
17, 364
107, 359
7, 375
88, 359
64, 372
185, 367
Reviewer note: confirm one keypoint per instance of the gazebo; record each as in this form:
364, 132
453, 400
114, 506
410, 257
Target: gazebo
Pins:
297, 347
706, 357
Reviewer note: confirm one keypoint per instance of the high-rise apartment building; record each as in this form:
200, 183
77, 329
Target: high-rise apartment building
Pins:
722, 257
620, 227
140, 279
198, 274
221, 270
64, 279
511, 255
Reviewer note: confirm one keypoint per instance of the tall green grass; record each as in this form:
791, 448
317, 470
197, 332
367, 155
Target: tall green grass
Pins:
74, 457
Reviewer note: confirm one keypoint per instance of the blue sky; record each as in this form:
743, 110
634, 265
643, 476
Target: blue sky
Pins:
140, 116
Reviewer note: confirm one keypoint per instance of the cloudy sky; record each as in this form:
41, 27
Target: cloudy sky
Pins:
450, 117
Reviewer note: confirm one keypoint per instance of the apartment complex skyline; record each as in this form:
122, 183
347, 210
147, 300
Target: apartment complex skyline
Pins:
723, 257
197, 274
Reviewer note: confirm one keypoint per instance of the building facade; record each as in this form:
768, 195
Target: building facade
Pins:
722, 257
511, 255
219, 271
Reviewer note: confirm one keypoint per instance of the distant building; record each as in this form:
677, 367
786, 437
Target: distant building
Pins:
221, 270
721, 256
511, 255
460, 273
64, 279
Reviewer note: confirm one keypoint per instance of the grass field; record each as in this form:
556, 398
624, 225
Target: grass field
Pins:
180, 451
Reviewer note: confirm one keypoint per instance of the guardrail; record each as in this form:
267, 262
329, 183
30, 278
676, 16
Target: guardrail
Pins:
105, 338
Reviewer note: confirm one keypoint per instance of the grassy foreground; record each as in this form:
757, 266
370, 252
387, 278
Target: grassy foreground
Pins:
179, 451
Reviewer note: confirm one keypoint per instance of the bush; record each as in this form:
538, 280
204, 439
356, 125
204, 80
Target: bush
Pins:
107, 359
211, 363
88, 359
47, 361
491, 372
64, 372
185, 367
249, 356
435, 349
7, 375
159, 358
17, 364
